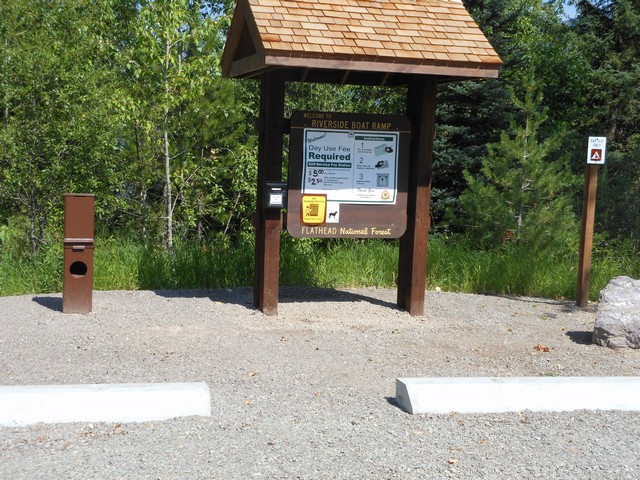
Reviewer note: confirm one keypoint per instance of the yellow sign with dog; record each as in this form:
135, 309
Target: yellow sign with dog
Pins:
314, 209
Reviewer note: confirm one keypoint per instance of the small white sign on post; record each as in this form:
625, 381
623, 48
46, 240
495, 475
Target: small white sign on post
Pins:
597, 150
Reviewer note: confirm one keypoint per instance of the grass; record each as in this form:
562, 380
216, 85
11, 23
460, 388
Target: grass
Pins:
514, 270
453, 265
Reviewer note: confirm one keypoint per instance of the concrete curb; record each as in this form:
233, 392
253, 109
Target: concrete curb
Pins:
135, 402
515, 394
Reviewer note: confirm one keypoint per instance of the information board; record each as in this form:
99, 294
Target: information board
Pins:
351, 167
348, 175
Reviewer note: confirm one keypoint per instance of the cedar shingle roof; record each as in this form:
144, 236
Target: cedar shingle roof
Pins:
436, 37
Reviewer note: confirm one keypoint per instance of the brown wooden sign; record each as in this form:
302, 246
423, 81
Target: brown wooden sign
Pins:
348, 175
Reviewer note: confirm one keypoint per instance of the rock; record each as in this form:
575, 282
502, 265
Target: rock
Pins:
618, 318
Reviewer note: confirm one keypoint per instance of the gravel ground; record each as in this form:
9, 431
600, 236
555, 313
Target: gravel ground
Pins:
309, 394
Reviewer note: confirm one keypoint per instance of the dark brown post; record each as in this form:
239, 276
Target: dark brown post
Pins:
412, 267
586, 234
77, 290
268, 221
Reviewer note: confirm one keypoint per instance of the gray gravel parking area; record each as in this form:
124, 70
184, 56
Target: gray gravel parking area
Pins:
309, 393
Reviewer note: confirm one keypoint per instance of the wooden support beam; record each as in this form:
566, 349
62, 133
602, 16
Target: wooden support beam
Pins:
269, 223
412, 265
586, 235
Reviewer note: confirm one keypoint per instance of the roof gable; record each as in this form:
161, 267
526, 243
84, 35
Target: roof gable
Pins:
431, 37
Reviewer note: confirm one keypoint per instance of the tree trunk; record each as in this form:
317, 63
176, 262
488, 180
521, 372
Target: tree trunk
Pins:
168, 193
167, 158
34, 239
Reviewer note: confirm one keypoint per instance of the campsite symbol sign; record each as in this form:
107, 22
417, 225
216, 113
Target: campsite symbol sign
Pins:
595, 156
596, 150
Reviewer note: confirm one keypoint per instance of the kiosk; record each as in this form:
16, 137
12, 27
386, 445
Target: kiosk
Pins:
394, 43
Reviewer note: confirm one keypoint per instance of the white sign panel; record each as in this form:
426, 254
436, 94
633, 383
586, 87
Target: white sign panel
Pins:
596, 150
358, 167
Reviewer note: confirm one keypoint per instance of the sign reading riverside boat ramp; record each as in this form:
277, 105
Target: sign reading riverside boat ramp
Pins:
348, 175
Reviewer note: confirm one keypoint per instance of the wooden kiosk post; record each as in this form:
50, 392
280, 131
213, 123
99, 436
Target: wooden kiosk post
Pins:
412, 265
388, 43
268, 222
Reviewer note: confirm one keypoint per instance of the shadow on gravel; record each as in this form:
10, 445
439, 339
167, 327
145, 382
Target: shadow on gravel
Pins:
548, 301
244, 296
566, 306
52, 303
581, 338
392, 401
238, 295
570, 307
315, 294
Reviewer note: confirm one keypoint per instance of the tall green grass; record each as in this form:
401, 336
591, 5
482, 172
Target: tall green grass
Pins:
21, 274
453, 265
218, 264
515, 270
339, 263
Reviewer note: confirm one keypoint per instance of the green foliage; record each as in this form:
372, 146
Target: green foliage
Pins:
57, 133
344, 98
609, 32
530, 37
124, 100
470, 115
177, 102
231, 190
454, 264
88, 91
521, 195
218, 264
116, 263
512, 270
21, 272
338, 262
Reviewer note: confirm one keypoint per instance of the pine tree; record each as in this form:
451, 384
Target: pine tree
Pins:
520, 195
